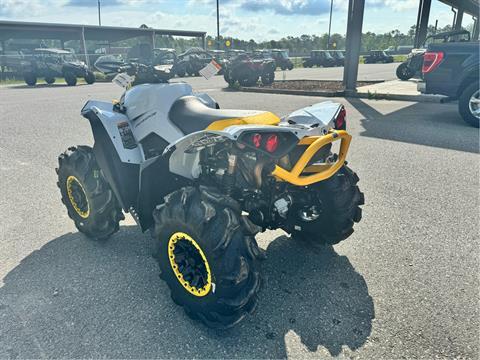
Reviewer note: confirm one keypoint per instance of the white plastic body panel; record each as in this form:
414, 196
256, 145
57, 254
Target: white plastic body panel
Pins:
111, 121
148, 106
186, 164
322, 114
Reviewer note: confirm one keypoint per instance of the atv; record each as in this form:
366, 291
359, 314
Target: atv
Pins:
282, 60
319, 58
191, 62
205, 181
247, 71
52, 63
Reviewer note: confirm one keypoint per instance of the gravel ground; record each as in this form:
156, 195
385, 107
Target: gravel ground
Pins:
405, 285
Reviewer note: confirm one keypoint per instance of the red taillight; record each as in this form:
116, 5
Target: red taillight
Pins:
257, 140
431, 60
340, 120
272, 143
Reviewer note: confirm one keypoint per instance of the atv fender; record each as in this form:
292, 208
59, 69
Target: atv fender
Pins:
117, 127
116, 153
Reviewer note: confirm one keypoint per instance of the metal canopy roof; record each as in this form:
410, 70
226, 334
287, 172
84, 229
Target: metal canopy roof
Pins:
471, 7
32, 30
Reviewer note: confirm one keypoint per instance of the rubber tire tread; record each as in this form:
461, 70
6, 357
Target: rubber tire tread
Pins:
463, 105
227, 239
341, 200
105, 211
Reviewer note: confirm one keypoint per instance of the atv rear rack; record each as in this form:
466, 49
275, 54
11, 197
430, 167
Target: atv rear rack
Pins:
316, 172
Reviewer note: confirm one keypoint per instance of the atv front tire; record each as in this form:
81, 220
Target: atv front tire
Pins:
268, 78
30, 78
340, 200
70, 79
207, 255
89, 199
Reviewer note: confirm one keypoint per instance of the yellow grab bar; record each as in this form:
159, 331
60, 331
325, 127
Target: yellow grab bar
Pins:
317, 172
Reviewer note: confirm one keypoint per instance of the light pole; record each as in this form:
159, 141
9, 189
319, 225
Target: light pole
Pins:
330, 24
218, 27
99, 17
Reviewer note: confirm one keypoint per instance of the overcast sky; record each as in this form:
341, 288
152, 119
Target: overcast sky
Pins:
246, 19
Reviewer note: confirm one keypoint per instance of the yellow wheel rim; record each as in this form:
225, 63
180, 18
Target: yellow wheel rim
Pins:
78, 197
194, 276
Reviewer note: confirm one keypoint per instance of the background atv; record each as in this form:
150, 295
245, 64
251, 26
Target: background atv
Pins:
191, 62
52, 63
205, 181
319, 58
247, 71
282, 60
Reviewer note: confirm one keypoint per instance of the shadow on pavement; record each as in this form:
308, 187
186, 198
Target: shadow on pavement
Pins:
75, 298
430, 124
41, 86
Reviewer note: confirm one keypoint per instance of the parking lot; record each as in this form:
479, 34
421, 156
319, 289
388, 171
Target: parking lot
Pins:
404, 285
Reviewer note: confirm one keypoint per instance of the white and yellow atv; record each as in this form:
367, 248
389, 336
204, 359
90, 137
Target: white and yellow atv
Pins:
205, 181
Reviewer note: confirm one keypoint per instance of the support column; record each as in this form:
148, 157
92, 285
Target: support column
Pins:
422, 22
83, 46
458, 20
152, 40
475, 31
2, 60
204, 42
353, 44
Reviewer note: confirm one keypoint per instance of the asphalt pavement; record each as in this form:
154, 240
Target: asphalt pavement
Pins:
404, 285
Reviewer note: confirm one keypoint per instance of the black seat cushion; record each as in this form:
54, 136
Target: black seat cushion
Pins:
190, 114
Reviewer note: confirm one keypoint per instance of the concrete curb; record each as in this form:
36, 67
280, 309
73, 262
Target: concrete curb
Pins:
293, 92
401, 97
342, 93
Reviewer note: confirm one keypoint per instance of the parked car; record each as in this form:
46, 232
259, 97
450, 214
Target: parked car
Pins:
247, 71
413, 65
282, 60
52, 63
377, 56
338, 56
452, 69
192, 61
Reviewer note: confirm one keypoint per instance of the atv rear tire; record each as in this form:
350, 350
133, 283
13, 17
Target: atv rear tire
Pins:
340, 200
468, 103
70, 79
290, 67
90, 78
404, 72
217, 280
30, 78
49, 80
90, 202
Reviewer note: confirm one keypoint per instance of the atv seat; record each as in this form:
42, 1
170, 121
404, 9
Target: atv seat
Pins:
190, 114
